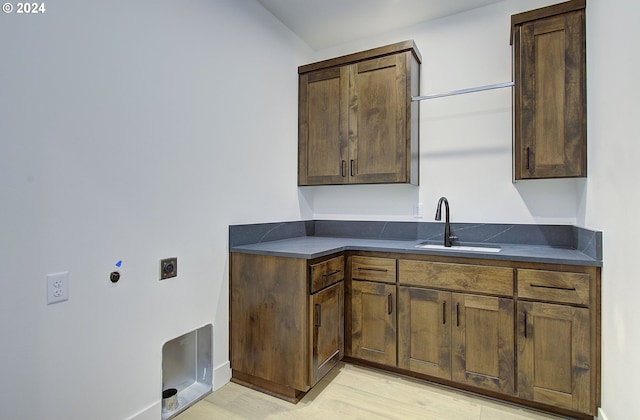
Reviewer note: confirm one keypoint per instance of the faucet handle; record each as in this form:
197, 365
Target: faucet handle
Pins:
453, 237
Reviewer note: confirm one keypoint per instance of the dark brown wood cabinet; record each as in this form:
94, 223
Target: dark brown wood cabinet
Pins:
357, 122
424, 331
373, 309
286, 321
328, 330
557, 359
482, 342
462, 337
524, 332
550, 125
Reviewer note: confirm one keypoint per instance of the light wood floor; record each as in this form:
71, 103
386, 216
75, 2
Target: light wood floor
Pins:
353, 392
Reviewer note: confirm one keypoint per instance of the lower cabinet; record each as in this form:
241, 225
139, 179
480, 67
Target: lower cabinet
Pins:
328, 329
286, 321
460, 337
482, 342
525, 332
555, 347
424, 331
373, 322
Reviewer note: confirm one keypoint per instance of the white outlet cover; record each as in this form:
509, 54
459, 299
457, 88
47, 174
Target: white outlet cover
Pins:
57, 287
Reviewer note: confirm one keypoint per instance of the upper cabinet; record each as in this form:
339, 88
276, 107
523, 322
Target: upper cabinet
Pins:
550, 135
357, 121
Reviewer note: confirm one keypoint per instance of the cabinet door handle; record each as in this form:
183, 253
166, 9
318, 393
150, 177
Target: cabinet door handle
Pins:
351, 164
543, 286
457, 314
318, 314
389, 304
528, 157
383, 270
444, 312
331, 274
525, 325
343, 168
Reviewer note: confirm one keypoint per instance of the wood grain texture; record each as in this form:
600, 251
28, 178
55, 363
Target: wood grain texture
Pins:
554, 356
458, 277
373, 318
377, 139
550, 97
554, 286
326, 273
268, 317
424, 331
483, 342
322, 127
373, 269
399, 47
357, 123
328, 330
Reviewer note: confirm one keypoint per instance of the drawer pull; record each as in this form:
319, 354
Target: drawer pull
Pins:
457, 314
383, 270
318, 315
332, 273
542, 286
444, 312
389, 304
343, 169
525, 325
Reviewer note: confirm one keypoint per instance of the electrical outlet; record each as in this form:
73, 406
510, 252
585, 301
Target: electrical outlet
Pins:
417, 210
168, 268
57, 287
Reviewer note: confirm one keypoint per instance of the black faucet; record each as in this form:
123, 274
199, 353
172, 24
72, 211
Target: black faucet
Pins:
448, 237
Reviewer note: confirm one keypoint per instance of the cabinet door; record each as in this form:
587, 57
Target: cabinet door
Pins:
328, 330
550, 106
377, 120
554, 355
373, 329
483, 342
424, 331
322, 125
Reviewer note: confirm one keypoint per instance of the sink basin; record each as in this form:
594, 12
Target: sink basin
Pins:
460, 248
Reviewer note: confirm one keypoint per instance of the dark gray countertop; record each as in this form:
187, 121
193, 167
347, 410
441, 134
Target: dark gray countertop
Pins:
309, 247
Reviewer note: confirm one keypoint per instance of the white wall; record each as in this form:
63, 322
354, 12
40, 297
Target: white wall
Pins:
134, 131
612, 198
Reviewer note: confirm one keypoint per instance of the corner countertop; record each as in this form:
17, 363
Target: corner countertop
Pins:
310, 247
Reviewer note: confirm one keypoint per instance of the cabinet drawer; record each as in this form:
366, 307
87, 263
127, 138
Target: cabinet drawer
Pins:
326, 273
459, 277
373, 269
554, 286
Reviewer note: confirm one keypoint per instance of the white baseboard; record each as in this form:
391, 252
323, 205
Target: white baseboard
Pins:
601, 415
221, 375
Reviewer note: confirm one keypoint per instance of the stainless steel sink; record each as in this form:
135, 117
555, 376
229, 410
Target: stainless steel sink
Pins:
466, 248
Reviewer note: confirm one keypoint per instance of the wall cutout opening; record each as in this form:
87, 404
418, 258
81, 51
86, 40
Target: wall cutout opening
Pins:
186, 366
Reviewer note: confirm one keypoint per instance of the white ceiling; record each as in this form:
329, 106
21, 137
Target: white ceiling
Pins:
326, 23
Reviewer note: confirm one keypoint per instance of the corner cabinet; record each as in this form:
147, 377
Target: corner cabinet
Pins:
286, 321
357, 121
550, 124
